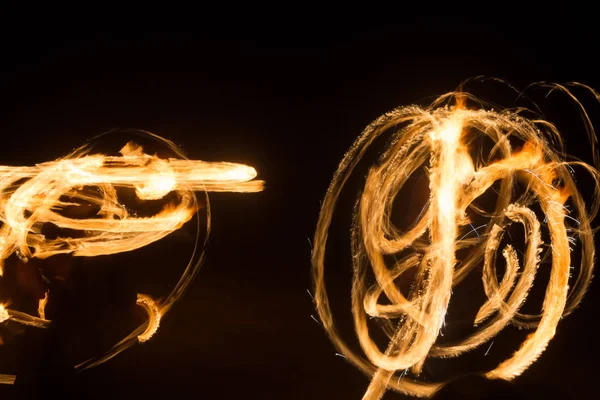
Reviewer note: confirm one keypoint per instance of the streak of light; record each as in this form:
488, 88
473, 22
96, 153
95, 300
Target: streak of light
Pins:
437, 135
32, 197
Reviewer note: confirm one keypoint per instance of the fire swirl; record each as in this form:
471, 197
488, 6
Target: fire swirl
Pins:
33, 197
526, 152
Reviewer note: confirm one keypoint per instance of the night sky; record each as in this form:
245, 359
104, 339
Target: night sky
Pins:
288, 98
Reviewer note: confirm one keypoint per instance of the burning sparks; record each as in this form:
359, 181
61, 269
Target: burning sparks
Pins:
440, 138
34, 197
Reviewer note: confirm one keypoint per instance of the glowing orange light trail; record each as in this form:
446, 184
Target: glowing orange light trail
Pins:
413, 323
32, 197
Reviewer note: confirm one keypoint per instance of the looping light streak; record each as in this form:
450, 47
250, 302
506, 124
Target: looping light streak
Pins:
439, 138
31, 197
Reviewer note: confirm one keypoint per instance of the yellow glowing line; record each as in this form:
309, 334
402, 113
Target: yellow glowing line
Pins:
414, 322
33, 196
154, 316
42, 306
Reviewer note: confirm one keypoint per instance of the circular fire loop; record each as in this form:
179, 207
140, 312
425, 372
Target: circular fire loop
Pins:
440, 137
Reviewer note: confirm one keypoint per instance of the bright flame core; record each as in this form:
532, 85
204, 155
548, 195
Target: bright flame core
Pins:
31, 197
413, 323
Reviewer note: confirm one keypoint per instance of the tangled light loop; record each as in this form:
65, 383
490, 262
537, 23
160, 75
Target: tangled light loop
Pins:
525, 152
33, 197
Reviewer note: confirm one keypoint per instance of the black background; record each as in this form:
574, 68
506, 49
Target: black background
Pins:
287, 96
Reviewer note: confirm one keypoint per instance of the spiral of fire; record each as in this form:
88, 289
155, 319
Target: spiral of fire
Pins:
525, 151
